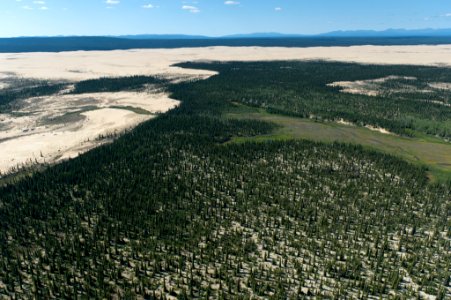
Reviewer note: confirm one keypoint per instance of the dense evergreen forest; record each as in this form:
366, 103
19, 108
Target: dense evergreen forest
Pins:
24, 89
301, 89
89, 43
170, 210
117, 84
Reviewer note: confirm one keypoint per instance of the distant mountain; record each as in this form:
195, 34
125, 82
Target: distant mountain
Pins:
262, 35
337, 38
204, 37
162, 37
429, 32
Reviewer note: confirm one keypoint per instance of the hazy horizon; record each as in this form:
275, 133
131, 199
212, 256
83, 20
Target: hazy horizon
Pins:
214, 18
238, 34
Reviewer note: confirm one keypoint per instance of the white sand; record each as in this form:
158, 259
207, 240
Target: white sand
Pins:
379, 129
53, 145
35, 139
154, 103
371, 87
91, 64
440, 85
344, 122
28, 139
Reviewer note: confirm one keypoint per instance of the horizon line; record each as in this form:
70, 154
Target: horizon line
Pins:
256, 34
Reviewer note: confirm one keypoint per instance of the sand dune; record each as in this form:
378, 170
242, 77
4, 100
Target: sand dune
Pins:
49, 129
53, 128
80, 65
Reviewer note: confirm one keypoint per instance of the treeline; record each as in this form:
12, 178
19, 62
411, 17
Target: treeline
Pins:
10, 95
112, 84
170, 210
300, 89
23, 89
90, 43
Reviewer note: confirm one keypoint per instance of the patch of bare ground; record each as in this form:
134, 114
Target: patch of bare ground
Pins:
372, 128
81, 65
440, 85
371, 87
49, 129
379, 129
55, 127
374, 87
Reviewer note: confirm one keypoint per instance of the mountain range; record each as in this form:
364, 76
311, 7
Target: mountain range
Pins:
427, 32
150, 41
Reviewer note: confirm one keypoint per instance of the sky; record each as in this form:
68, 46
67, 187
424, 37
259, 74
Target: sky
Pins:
215, 17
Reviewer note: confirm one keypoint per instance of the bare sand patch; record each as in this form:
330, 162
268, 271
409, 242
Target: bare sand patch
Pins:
370, 87
6, 75
56, 127
374, 87
440, 85
49, 129
152, 102
360, 87
372, 128
379, 129
344, 122
79, 65
51, 145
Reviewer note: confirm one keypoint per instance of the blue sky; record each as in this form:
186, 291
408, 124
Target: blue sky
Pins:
215, 17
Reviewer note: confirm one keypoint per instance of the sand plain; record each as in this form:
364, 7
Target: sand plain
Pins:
80, 65
48, 129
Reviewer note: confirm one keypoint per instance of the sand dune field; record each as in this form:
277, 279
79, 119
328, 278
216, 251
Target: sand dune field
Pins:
49, 129
53, 128
91, 64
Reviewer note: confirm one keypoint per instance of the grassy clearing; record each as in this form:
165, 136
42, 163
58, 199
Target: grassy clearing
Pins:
427, 151
69, 117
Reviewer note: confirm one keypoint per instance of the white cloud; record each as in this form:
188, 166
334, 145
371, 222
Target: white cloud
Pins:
448, 15
148, 6
112, 2
231, 3
27, 7
278, 9
43, 8
191, 9
39, 2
